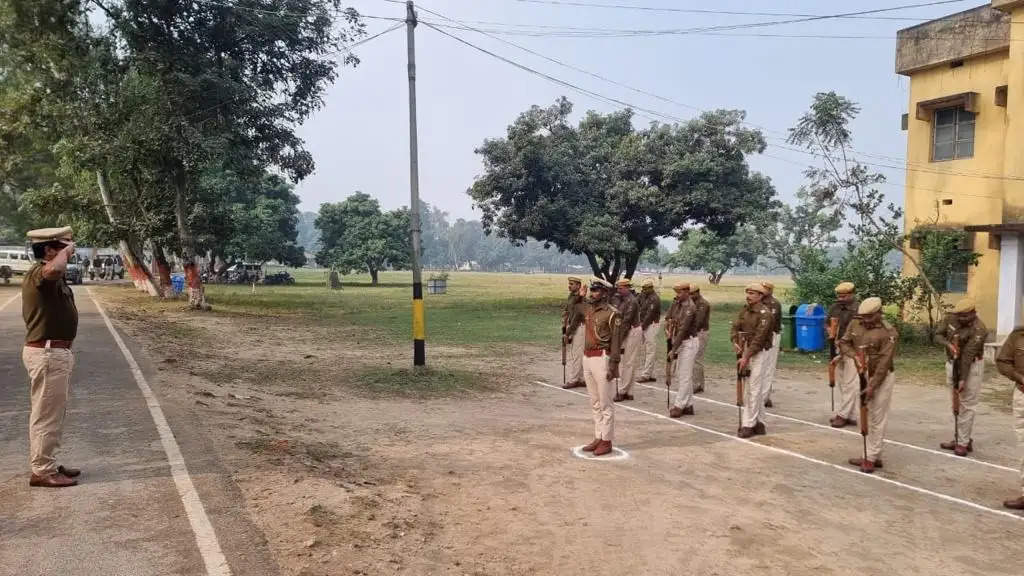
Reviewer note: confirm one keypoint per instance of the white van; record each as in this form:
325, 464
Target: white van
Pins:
14, 261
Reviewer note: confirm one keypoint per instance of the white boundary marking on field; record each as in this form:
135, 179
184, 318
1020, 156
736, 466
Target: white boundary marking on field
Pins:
852, 433
9, 300
206, 538
805, 458
616, 455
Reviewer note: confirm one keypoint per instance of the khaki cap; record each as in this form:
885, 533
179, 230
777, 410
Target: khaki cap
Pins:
756, 287
681, 286
49, 234
648, 283
601, 283
624, 282
846, 288
870, 305
768, 285
965, 305
575, 279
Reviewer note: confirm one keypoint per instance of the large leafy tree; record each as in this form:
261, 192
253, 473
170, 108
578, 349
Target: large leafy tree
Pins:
356, 234
707, 251
608, 191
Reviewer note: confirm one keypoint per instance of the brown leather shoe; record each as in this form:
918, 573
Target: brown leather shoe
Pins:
860, 462
675, 412
1015, 504
69, 472
623, 397
603, 447
759, 429
745, 432
768, 403
951, 445
698, 390
960, 450
590, 447
571, 385
646, 379
57, 480
837, 422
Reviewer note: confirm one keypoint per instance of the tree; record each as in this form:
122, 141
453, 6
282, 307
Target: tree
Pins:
608, 191
265, 227
356, 234
798, 237
308, 236
942, 253
704, 250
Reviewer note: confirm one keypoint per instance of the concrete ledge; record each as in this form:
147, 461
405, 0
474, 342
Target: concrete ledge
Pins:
976, 32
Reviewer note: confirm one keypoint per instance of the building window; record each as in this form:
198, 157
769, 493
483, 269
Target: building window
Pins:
956, 282
953, 134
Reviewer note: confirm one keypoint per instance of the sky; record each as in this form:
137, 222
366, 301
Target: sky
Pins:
360, 138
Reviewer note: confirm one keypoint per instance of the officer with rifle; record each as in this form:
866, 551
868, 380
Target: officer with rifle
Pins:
842, 369
751, 337
1010, 362
871, 342
572, 336
683, 351
963, 335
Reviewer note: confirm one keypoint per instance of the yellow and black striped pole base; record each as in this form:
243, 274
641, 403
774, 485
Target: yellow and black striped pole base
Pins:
419, 350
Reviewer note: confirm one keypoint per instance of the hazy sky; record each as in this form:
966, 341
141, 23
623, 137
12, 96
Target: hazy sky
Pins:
360, 138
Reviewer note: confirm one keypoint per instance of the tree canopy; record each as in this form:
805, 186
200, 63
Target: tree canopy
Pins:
356, 234
604, 189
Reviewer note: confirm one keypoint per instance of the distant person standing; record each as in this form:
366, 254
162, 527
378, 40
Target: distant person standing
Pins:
702, 323
751, 336
772, 360
51, 324
650, 324
631, 337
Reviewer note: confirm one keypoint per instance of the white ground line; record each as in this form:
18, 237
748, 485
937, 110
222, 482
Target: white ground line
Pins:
851, 433
800, 456
206, 538
9, 300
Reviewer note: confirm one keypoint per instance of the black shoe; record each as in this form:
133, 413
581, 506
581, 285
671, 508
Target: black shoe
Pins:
759, 429
768, 403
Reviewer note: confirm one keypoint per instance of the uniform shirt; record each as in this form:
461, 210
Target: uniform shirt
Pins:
879, 345
629, 311
970, 339
702, 313
775, 307
684, 325
1010, 360
601, 327
844, 312
570, 316
650, 308
752, 329
48, 307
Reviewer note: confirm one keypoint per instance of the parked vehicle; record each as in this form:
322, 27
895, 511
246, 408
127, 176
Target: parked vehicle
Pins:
73, 273
106, 267
281, 278
14, 261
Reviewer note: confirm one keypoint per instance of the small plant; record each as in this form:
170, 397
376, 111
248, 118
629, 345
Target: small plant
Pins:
441, 276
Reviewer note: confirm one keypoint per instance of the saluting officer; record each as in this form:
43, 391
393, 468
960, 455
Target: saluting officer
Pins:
684, 350
963, 334
573, 324
751, 336
871, 341
1010, 362
601, 362
702, 321
650, 323
772, 360
631, 337
838, 320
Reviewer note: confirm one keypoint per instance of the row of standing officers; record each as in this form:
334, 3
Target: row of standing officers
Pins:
611, 334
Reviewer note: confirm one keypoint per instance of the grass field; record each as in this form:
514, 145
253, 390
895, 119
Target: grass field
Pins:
485, 311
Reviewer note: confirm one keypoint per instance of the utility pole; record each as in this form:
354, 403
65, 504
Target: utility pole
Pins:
419, 352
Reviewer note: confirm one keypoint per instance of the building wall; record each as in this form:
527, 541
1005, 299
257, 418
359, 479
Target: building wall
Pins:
975, 199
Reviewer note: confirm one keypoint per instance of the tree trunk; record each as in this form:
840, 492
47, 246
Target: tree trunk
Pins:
373, 276
130, 253
162, 270
631, 263
716, 277
193, 280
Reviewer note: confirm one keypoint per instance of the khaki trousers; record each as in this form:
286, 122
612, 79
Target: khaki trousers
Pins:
878, 417
698, 360
770, 363
754, 395
574, 356
682, 370
968, 398
49, 372
602, 395
849, 387
1018, 426
649, 352
630, 361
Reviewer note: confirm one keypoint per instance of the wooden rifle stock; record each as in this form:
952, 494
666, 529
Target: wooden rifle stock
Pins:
668, 371
862, 367
956, 392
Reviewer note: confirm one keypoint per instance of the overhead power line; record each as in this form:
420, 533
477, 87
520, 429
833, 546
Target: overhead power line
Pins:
576, 4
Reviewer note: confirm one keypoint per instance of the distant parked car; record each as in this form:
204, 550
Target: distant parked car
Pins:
73, 273
13, 262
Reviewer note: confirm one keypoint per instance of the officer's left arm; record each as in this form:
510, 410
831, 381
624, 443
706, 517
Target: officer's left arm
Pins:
885, 359
972, 349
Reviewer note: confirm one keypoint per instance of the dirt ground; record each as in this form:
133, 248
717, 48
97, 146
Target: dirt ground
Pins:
343, 480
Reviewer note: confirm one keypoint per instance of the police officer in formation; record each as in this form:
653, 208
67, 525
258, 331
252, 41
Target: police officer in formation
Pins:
751, 337
601, 355
650, 325
702, 321
683, 350
963, 335
572, 323
840, 314
772, 360
631, 336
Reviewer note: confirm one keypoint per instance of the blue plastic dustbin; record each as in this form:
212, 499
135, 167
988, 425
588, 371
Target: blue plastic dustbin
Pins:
177, 283
810, 328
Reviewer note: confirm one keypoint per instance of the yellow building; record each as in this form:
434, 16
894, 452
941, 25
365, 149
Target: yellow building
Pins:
965, 146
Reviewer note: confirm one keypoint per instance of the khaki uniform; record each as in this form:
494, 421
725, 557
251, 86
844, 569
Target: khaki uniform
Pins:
601, 323
1010, 362
702, 322
650, 324
573, 322
684, 348
846, 368
752, 331
50, 314
771, 361
631, 336
879, 346
970, 339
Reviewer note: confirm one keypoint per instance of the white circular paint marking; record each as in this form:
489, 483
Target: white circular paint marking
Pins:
617, 454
